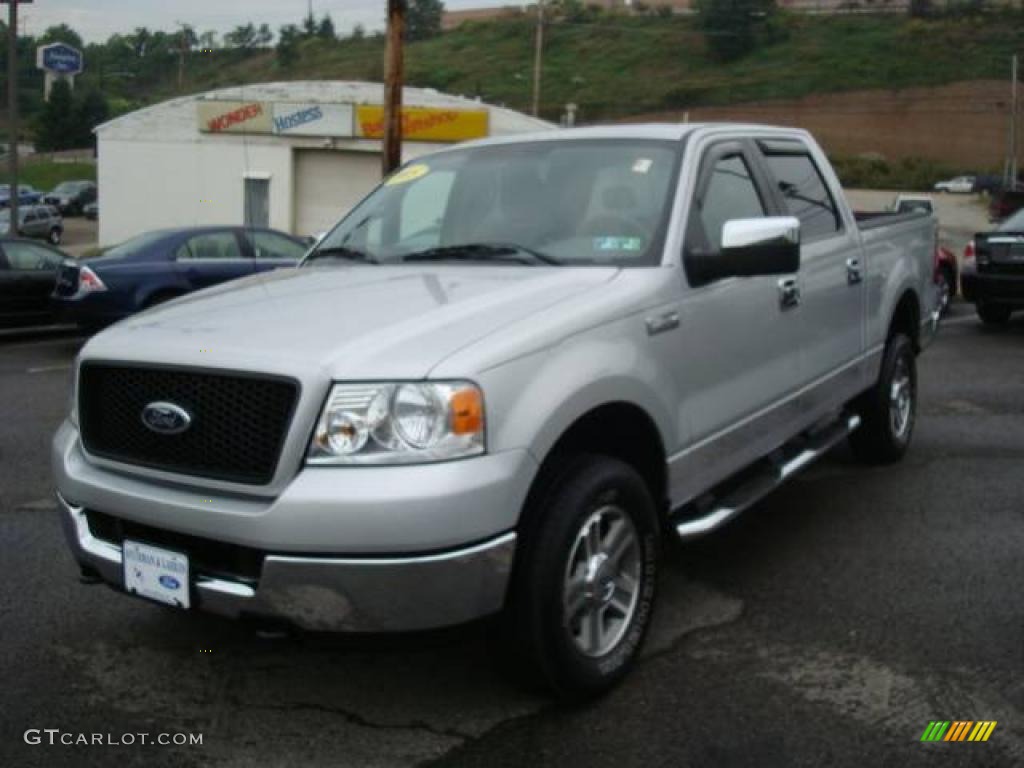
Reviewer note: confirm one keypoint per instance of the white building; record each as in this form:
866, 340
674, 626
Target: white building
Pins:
293, 156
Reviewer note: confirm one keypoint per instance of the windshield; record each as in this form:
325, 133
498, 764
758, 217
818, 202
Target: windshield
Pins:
66, 187
1014, 223
553, 202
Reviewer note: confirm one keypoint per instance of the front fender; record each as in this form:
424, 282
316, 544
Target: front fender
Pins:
533, 400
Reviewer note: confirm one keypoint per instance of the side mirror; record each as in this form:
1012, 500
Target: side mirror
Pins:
767, 246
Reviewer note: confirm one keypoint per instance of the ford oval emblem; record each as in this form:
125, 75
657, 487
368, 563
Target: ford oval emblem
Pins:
170, 582
166, 418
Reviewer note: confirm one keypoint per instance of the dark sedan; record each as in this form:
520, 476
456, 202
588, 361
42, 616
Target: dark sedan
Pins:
27, 272
993, 274
158, 266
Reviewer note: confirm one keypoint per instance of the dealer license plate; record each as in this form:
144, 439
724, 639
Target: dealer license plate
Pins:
159, 574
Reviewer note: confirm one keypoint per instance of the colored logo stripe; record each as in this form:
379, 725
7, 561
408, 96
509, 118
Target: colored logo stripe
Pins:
958, 730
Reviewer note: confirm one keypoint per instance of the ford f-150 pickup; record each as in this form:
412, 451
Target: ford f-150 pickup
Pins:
496, 385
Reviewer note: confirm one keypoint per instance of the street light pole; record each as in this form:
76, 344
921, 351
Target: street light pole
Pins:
12, 115
538, 57
393, 78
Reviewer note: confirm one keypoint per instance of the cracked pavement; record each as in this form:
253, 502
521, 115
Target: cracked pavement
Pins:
826, 627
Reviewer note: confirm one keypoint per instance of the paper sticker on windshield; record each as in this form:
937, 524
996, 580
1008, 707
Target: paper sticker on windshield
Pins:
618, 243
642, 165
406, 175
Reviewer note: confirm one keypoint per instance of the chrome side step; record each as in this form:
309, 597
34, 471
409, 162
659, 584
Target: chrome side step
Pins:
765, 478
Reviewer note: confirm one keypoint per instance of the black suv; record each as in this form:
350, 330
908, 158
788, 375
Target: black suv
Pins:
71, 197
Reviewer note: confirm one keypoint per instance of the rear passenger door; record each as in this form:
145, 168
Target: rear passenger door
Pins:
740, 364
831, 273
212, 257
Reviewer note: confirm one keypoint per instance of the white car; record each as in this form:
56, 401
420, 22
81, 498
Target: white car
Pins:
961, 184
911, 203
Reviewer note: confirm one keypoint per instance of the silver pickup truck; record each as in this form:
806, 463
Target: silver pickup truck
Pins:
496, 385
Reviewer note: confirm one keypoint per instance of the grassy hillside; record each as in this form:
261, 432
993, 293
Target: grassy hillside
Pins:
618, 66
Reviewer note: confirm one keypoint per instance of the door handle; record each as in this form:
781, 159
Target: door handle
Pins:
853, 274
666, 321
789, 293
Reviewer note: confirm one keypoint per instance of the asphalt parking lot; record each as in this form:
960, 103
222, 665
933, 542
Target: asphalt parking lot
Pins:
826, 627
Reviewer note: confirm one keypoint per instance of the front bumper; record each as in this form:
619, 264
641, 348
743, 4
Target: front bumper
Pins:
333, 593
987, 288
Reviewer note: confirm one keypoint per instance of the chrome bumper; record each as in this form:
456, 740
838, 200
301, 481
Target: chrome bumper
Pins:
370, 594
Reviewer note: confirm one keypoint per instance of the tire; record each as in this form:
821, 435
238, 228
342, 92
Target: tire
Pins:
947, 289
888, 410
609, 577
54, 236
993, 314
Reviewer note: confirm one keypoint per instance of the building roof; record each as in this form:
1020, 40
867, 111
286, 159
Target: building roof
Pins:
176, 120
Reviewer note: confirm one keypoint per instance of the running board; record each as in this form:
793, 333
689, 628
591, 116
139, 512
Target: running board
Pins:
765, 477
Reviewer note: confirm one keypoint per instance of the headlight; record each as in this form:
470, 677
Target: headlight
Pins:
399, 423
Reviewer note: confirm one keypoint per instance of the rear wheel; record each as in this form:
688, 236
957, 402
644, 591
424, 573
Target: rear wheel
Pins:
584, 583
993, 314
54, 236
947, 288
888, 410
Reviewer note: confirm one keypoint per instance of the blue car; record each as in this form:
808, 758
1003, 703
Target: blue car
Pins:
27, 195
158, 266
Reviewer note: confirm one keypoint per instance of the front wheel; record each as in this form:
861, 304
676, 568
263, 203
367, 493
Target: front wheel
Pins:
888, 410
584, 583
946, 283
54, 236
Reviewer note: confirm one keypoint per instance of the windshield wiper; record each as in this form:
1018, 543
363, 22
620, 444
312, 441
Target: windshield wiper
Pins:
341, 252
508, 252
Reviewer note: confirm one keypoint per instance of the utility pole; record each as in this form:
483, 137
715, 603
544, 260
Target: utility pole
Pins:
182, 47
1012, 160
538, 57
12, 114
394, 77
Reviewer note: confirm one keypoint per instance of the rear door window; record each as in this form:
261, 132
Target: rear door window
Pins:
210, 246
805, 194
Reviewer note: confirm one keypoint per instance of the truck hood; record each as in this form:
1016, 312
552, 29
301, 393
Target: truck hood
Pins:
347, 322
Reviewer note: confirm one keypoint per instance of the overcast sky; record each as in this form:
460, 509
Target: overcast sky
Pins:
96, 20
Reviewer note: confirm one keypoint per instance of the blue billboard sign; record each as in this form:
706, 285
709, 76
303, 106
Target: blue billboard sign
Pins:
59, 58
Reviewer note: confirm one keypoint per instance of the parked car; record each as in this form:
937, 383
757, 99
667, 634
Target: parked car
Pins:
1005, 203
988, 184
960, 185
40, 221
91, 211
478, 393
992, 277
27, 195
909, 203
946, 277
27, 272
71, 197
158, 266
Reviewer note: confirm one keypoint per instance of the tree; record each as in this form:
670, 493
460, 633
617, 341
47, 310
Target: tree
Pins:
140, 41
264, 37
55, 126
423, 19
91, 111
325, 30
243, 36
288, 38
309, 26
208, 40
730, 26
358, 32
61, 33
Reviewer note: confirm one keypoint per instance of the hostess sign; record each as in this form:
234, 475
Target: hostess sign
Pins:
339, 120
59, 58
